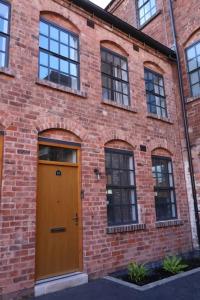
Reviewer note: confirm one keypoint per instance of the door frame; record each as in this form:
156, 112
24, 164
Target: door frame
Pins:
74, 146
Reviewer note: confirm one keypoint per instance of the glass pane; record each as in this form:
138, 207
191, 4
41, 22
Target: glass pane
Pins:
2, 43
2, 59
192, 65
73, 42
43, 73
163, 206
44, 28
116, 177
64, 50
64, 66
125, 100
43, 59
196, 90
74, 83
194, 77
54, 33
126, 214
43, 42
106, 68
191, 53
198, 49
54, 46
73, 54
54, 76
65, 80
73, 69
4, 9
3, 26
57, 154
64, 38
54, 62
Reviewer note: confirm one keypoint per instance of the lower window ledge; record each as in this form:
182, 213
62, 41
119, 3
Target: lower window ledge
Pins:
7, 72
170, 223
125, 228
159, 118
61, 88
117, 105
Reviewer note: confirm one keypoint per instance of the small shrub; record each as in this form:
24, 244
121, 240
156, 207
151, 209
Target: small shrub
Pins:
174, 265
137, 272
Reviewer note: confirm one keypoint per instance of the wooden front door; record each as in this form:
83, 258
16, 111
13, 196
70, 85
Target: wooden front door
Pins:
58, 213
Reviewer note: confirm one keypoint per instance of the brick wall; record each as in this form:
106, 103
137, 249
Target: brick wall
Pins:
30, 108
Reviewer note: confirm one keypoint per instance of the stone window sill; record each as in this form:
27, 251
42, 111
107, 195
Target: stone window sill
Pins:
125, 228
191, 99
170, 223
159, 118
7, 72
158, 12
120, 106
61, 88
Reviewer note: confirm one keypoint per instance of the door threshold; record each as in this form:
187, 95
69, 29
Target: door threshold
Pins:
58, 283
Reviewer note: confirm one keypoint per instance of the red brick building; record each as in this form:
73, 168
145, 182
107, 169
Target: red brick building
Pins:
92, 170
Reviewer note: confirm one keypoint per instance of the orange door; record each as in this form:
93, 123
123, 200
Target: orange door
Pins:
57, 220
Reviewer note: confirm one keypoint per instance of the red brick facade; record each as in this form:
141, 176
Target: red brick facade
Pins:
31, 108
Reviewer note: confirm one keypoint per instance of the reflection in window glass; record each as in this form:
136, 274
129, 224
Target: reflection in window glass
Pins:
59, 55
57, 154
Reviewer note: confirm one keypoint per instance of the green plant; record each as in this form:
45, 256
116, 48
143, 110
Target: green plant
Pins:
174, 265
137, 272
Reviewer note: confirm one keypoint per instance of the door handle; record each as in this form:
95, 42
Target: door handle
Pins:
76, 219
57, 229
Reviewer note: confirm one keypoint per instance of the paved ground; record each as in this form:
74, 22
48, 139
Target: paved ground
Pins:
187, 288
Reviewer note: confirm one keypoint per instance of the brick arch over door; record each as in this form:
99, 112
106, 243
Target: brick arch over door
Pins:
60, 123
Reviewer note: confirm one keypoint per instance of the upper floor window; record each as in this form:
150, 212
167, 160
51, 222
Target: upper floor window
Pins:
146, 9
121, 191
115, 82
156, 100
4, 32
193, 60
165, 202
59, 55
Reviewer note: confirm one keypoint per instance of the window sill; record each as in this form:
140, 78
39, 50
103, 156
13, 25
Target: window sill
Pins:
140, 27
61, 88
191, 99
7, 72
120, 106
170, 223
159, 118
125, 228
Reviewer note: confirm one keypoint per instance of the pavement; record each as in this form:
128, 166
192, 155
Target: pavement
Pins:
187, 288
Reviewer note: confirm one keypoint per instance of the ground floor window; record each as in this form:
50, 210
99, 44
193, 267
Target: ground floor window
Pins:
165, 201
121, 190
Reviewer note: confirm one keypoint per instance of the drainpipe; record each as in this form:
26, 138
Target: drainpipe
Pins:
183, 105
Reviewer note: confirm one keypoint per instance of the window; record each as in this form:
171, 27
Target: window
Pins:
58, 154
146, 9
155, 93
59, 55
193, 61
4, 33
115, 82
121, 191
165, 202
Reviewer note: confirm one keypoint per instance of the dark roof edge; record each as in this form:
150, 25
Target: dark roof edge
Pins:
109, 4
123, 26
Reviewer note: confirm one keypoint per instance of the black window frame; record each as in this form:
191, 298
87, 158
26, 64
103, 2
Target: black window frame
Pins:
50, 53
112, 78
154, 94
6, 35
121, 187
138, 12
170, 189
193, 45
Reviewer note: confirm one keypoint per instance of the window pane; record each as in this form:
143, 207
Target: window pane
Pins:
73, 54
43, 73
54, 46
64, 38
73, 42
192, 64
74, 83
196, 89
73, 69
54, 33
2, 59
194, 77
64, 51
43, 59
44, 28
2, 43
43, 42
191, 53
3, 26
57, 154
4, 10
64, 66
54, 62
65, 80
